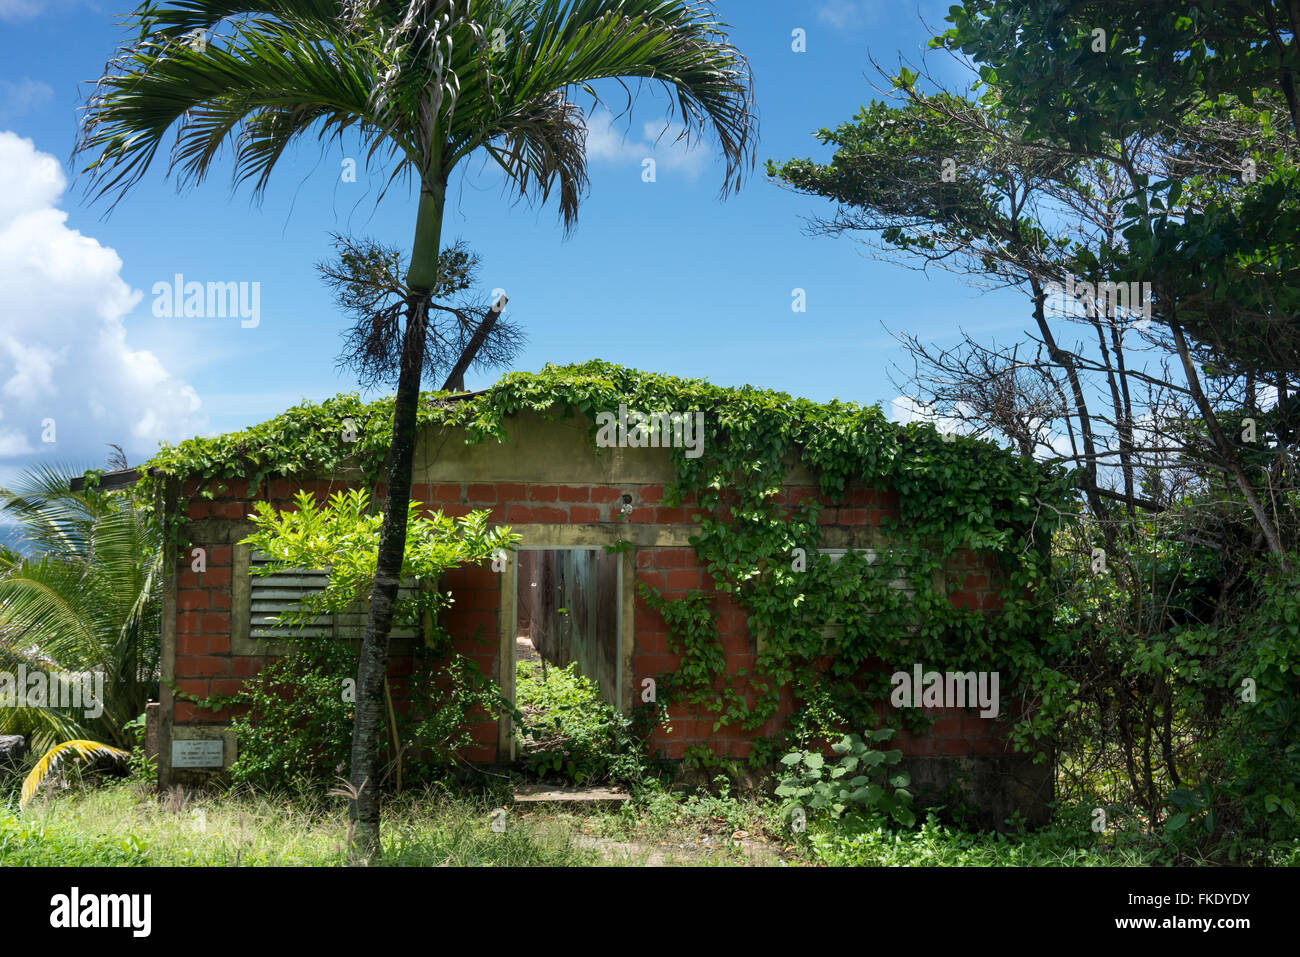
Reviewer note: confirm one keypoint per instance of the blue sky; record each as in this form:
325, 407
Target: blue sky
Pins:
660, 276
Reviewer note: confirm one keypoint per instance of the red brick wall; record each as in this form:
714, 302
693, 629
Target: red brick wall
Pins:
205, 664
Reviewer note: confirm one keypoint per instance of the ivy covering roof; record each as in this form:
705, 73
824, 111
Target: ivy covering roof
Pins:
750, 432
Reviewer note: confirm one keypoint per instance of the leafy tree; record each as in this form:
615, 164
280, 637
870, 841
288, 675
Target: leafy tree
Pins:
1015, 209
85, 597
1081, 72
426, 84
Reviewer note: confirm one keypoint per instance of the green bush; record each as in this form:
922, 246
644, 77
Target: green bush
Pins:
573, 733
859, 783
297, 730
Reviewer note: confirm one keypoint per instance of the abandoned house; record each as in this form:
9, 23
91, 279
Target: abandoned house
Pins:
563, 593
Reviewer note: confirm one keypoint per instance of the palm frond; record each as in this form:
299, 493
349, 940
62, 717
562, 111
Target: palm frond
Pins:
86, 750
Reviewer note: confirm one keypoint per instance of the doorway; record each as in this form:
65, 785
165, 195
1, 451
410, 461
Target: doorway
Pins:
569, 611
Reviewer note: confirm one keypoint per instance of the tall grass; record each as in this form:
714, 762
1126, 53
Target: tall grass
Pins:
119, 824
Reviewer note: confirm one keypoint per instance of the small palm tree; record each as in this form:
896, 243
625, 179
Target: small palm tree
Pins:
83, 596
425, 84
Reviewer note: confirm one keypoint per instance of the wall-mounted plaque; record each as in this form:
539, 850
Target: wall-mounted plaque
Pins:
198, 753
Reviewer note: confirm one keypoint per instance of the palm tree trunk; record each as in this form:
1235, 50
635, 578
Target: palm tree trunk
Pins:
369, 727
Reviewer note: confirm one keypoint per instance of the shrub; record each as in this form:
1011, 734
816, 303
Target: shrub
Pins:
859, 783
297, 729
572, 732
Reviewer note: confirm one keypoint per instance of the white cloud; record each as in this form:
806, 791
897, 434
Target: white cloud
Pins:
21, 9
609, 143
63, 349
22, 97
847, 14
905, 410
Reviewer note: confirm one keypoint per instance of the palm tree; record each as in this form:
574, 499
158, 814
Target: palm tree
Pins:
86, 598
425, 84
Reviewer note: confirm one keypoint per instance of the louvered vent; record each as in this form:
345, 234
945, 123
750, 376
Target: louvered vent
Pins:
901, 582
270, 595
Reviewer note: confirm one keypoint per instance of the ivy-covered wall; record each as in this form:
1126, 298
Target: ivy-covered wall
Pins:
756, 639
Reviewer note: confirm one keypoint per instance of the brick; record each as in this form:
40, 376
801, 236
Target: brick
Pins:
246, 666
468, 621
646, 557
650, 494
672, 516
852, 516
481, 493
803, 494
674, 750
584, 514
228, 510
480, 754
235, 488
187, 623
947, 726
193, 599
215, 623
198, 687
227, 685
220, 556
202, 666
653, 579
965, 599
216, 578
182, 712
859, 497
974, 582
650, 666
198, 509
604, 493
543, 493
191, 644
670, 558
642, 515
218, 644
575, 493
652, 643
973, 726
684, 578
220, 600
739, 749
539, 514
512, 492
445, 493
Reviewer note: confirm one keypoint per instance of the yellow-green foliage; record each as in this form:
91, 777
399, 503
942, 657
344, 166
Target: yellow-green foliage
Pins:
87, 750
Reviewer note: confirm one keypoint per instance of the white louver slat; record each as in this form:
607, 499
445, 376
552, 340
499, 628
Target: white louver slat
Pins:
270, 595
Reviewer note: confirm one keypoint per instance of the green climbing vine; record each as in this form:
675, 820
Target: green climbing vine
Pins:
830, 630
